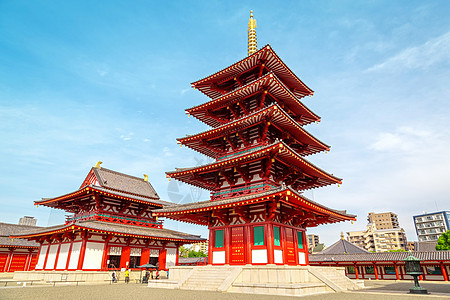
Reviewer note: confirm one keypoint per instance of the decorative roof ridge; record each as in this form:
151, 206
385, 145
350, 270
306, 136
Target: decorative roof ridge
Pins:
341, 212
125, 192
117, 173
267, 47
236, 63
253, 151
272, 106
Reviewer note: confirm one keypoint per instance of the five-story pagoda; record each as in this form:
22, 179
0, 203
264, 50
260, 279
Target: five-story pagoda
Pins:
257, 213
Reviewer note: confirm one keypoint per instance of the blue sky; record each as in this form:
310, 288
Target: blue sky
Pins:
83, 81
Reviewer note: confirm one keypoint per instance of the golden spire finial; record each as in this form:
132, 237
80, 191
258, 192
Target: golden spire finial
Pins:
145, 177
252, 43
97, 165
342, 235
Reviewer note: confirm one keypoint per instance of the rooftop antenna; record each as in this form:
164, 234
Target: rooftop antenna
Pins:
252, 44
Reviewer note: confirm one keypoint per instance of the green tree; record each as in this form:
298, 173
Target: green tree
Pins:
193, 253
183, 251
444, 241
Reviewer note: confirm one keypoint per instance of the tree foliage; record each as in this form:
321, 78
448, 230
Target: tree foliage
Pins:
183, 251
193, 253
444, 241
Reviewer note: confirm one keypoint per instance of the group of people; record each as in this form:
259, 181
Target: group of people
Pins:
145, 279
115, 278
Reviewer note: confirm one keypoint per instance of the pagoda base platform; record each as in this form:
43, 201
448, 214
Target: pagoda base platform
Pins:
71, 276
268, 279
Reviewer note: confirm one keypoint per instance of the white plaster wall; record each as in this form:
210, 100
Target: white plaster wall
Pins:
62, 258
301, 258
218, 257
41, 259
259, 256
74, 256
93, 256
51, 257
171, 257
278, 256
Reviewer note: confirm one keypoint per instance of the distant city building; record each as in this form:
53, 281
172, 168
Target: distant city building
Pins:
410, 246
430, 226
28, 221
202, 246
312, 240
386, 220
388, 237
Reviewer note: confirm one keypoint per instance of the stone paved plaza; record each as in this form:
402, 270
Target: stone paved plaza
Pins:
377, 290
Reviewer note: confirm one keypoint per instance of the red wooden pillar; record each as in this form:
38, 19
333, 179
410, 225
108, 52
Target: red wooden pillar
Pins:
162, 259
305, 247
270, 243
295, 236
145, 256
177, 253
396, 270
424, 270
69, 254
375, 269
356, 271
46, 256
283, 243
249, 242
444, 271
84, 237
227, 242
28, 261
57, 254
210, 246
105, 253
125, 257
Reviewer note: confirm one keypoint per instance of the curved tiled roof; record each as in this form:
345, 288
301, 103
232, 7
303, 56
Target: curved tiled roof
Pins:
342, 247
6, 230
131, 230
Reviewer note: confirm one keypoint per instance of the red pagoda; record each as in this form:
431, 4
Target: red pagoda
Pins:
257, 213
110, 226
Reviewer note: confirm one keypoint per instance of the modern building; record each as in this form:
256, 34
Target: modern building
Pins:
110, 226
374, 239
430, 226
312, 240
28, 221
385, 220
201, 246
257, 212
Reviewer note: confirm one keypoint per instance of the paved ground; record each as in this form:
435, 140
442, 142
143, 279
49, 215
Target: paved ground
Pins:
378, 290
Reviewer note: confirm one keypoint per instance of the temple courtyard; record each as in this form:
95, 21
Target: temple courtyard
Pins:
375, 290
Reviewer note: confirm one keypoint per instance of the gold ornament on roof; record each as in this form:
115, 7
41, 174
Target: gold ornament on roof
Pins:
97, 165
252, 42
145, 177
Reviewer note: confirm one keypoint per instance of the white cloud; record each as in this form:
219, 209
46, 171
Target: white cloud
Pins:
404, 138
432, 52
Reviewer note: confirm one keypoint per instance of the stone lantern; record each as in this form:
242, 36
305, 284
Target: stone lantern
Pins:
413, 268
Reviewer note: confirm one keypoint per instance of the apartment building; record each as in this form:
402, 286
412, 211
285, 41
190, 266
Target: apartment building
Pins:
312, 240
429, 226
385, 236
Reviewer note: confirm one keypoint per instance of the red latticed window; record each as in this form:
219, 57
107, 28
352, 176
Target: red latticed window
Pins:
34, 259
3, 258
18, 262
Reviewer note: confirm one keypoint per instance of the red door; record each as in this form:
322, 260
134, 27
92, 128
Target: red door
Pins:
18, 262
237, 246
290, 250
3, 258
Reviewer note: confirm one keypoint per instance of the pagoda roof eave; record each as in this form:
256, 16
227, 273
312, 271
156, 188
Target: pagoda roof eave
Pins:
278, 116
280, 146
273, 85
272, 61
179, 211
112, 228
51, 202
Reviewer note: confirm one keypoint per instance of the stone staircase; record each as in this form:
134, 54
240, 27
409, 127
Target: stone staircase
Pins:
207, 278
334, 279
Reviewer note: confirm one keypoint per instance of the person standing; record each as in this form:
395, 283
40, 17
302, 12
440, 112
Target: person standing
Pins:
127, 276
114, 280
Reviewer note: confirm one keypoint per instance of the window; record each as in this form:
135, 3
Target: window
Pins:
300, 239
258, 236
276, 236
433, 270
135, 261
218, 239
370, 270
389, 270
351, 270
114, 261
